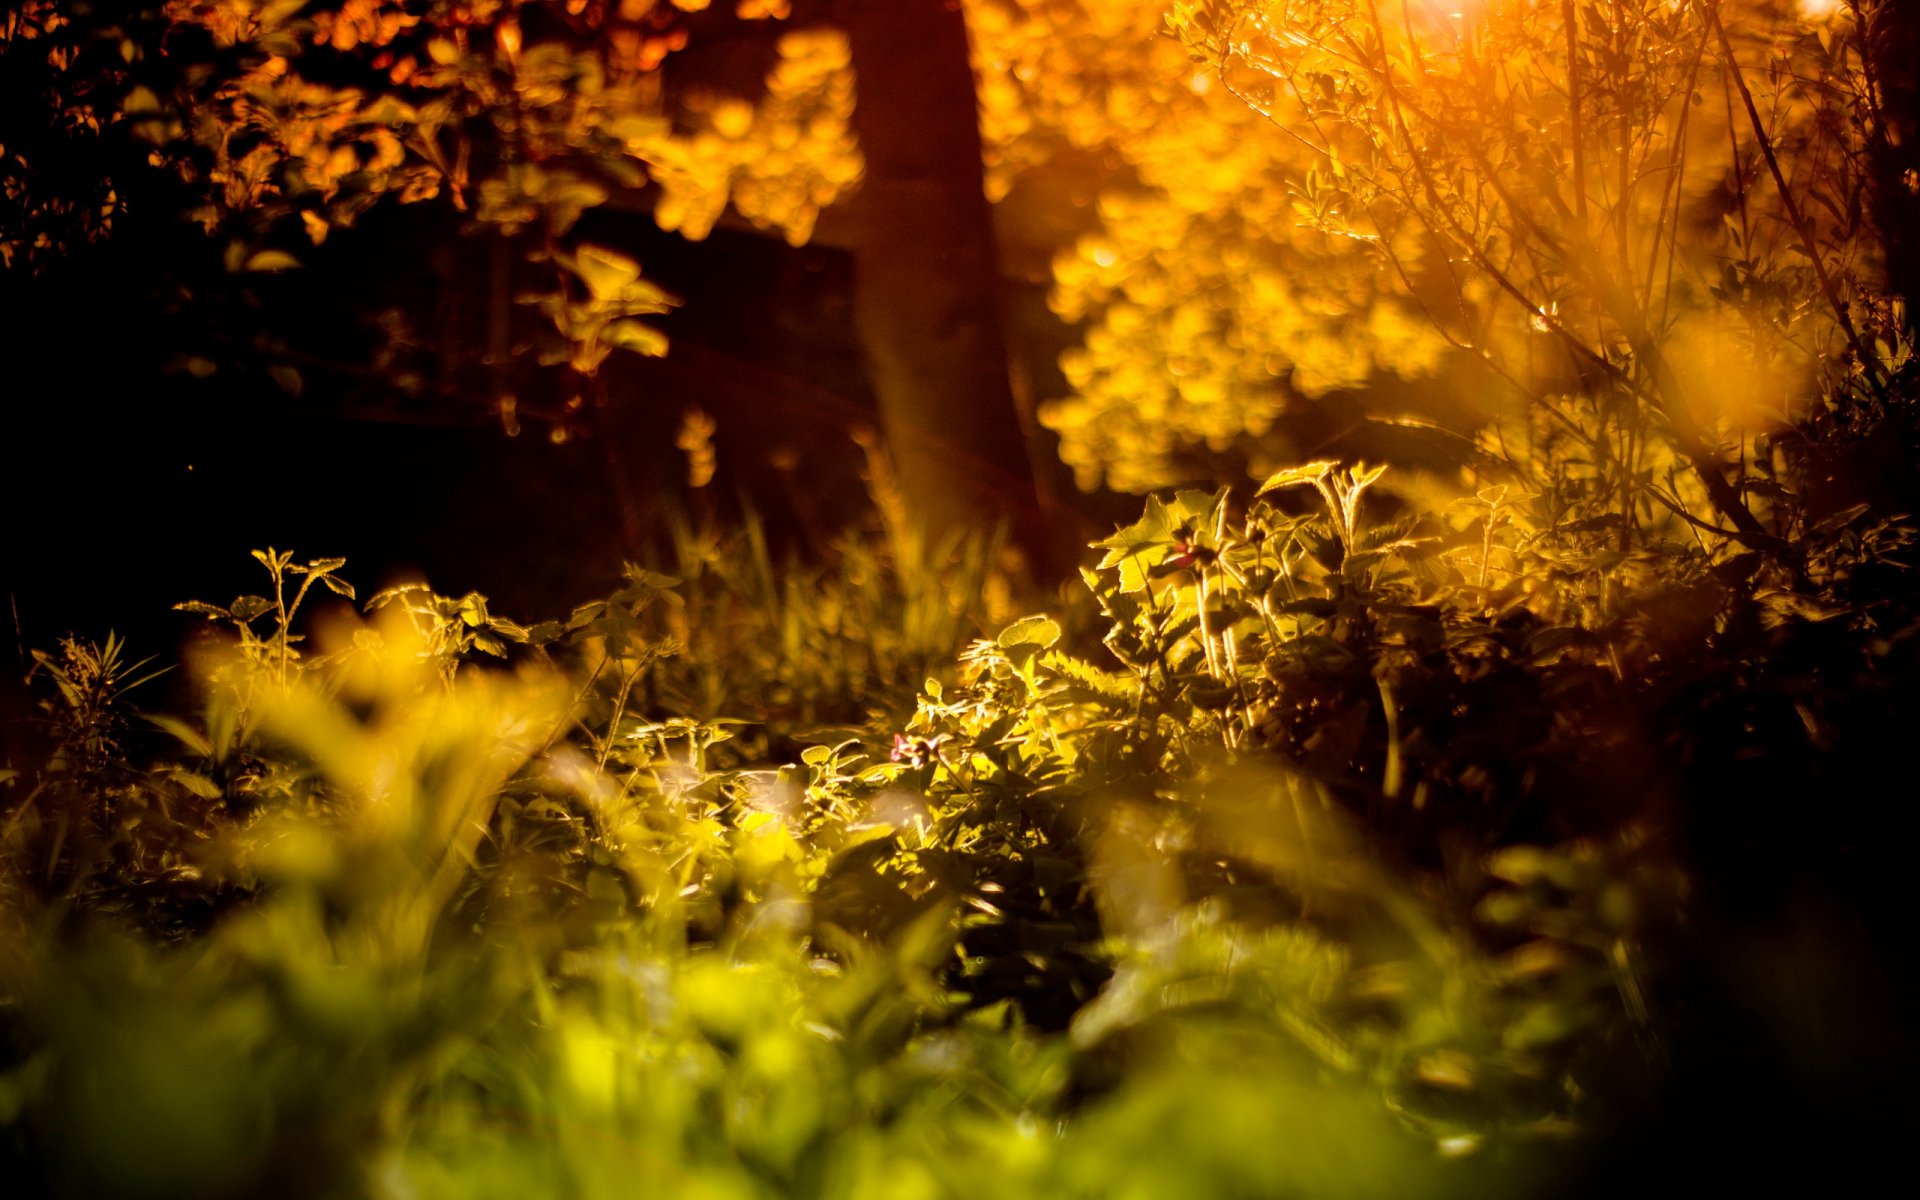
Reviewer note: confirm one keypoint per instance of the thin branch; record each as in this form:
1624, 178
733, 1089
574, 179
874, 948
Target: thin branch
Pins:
1795, 215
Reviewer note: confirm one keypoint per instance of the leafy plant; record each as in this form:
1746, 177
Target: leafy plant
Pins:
1620, 284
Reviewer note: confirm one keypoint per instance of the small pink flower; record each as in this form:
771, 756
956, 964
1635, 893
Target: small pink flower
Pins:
914, 751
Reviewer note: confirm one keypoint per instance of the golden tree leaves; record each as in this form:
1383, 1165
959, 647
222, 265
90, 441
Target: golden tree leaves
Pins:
523, 112
1207, 296
778, 162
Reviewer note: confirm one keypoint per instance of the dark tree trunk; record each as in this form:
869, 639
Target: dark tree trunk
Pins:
927, 270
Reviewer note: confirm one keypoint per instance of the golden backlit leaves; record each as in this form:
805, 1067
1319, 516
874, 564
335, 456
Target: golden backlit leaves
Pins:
1330, 190
1612, 205
779, 162
278, 139
1207, 297
1275, 221
523, 131
694, 438
595, 311
374, 22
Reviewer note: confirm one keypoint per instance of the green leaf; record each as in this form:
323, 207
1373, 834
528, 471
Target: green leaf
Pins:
188, 736
1154, 528
643, 578
1196, 508
513, 631
1136, 549
1312, 472
246, 608
1363, 476
586, 614
196, 783
1105, 684
398, 593
1041, 631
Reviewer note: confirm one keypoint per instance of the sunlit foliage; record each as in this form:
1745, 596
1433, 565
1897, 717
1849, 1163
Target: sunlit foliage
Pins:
1319, 853
457, 931
284, 122
778, 163
1649, 217
1207, 300
1637, 230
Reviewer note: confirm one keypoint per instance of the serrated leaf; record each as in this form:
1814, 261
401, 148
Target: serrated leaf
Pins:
1134, 550
246, 608
398, 592
196, 783
1107, 684
1306, 473
1197, 508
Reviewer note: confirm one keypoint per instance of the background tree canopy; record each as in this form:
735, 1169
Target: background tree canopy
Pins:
1257, 241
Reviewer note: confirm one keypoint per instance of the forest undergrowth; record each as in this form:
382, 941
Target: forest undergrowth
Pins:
1309, 844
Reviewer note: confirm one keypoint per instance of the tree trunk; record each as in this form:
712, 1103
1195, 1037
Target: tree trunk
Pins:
926, 271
